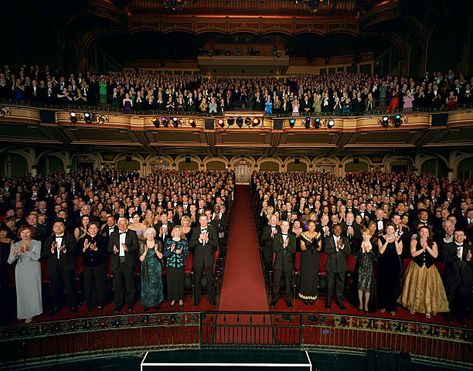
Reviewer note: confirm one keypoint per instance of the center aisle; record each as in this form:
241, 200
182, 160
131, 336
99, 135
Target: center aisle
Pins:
243, 286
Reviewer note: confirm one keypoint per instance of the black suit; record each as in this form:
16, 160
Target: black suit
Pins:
283, 264
163, 236
336, 266
458, 279
267, 240
203, 259
123, 267
61, 269
355, 238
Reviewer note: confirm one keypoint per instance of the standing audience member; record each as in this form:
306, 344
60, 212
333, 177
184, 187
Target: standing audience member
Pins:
366, 268
422, 288
123, 245
311, 245
203, 244
26, 253
389, 270
458, 276
284, 247
93, 247
337, 249
151, 256
176, 249
59, 250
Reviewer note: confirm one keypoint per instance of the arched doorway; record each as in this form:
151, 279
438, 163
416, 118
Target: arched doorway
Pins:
465, 169
243, 172
13, 165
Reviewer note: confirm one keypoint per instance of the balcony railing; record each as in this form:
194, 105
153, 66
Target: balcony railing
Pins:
232, 330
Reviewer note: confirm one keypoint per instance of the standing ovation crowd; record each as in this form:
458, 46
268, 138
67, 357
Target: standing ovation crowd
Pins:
339, 94
120, 223
399, 229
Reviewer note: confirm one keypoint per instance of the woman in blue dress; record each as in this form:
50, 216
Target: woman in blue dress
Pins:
175, 250
151, 270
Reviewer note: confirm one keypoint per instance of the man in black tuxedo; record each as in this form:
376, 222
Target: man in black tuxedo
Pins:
164, 227
123, 245
380, 221
203, 244
352, 231
39, 229
458, 275
59, 251
337, 249
109, 227
267, 238
284, 246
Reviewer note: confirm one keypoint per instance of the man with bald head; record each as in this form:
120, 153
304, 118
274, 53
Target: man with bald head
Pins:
123, 245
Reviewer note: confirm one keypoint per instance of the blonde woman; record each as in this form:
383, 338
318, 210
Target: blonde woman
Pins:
151, 255
175, 250
186, 228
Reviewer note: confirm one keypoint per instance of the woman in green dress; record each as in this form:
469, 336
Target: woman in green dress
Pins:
176, 249
151, 270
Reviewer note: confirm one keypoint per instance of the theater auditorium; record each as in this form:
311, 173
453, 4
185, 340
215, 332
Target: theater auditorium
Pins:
243, 185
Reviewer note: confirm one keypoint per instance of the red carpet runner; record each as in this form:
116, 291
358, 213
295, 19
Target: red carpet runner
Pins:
243, 286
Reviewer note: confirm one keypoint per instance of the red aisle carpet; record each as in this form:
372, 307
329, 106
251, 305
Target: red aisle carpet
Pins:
243, 286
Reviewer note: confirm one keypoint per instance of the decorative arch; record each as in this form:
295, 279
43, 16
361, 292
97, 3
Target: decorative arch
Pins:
95, 159
464, 168
269, 163
215, 163
238, 159
188, 163
297, 163
50, 162
388, 162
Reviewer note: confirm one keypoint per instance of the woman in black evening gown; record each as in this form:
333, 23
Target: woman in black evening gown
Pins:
389, 269
311, 244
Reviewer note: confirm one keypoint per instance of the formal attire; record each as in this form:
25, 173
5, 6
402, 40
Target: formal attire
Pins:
458, 278
151, 278
284, 248
29, 302
94, 266
336, 266
310, 266
267, 239
59, 252
389, 276
175, 263
366, 268
203, 260
123, 265
422, 286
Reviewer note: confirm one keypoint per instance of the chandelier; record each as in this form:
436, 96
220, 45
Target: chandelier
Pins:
313, 5
173, 5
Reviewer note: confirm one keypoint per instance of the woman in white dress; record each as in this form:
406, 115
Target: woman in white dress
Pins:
26, 253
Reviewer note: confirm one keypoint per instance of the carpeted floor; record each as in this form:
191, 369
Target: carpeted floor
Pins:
243, 286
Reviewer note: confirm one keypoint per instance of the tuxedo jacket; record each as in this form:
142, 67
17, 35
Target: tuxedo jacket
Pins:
132, 243
66, 260
457, 272
203, 254
284, 260
167, 235
356, 238
336, 260
267, 238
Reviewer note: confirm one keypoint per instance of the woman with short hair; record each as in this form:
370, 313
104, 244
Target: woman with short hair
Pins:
26, 253
151, 255
175, 250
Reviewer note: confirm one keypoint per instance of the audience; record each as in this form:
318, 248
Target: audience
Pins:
380, 217
340, 94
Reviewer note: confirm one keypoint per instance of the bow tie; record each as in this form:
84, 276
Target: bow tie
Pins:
459, 246
284, 234
122, 232
61, 236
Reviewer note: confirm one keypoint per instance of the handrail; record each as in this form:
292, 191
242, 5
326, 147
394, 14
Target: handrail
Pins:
233, 330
